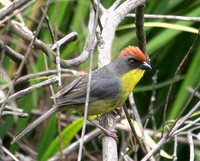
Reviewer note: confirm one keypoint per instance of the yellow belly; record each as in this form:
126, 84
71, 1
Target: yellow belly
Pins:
95, 108
128, 82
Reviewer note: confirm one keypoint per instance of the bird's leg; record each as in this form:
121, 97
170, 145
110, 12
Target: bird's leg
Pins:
117, 111
106, 132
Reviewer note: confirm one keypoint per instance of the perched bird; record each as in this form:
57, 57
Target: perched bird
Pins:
110, 87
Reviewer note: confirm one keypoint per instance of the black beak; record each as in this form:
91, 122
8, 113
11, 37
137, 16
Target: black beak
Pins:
145, 66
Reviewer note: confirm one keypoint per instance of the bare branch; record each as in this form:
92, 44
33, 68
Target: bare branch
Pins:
110, 21
32, 88
138, 120
175, 148
196, 93
27, 35
109, 27
109, 144
173, 79
14, 113
11, 53
7, 10
72, 147
139, 23
10, 154
28, 51
115, 5
168, 17
66, 39
171, 134
191, 144
91, 50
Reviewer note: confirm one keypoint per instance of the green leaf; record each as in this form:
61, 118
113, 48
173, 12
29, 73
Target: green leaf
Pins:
191, 79
67, 135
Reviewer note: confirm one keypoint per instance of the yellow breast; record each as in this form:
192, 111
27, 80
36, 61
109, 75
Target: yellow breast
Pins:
129, 80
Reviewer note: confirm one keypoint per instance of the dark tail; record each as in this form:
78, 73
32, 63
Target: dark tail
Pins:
38, 121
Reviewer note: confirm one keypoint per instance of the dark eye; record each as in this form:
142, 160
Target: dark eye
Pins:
131, 60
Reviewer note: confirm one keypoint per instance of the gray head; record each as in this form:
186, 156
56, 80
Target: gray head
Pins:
131, 58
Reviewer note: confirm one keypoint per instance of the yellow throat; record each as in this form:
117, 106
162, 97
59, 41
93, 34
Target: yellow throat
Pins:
129, 80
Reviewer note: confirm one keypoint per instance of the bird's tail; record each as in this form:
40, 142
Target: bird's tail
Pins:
38, 121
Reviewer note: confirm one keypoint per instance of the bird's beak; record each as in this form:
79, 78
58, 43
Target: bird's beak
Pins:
145, 66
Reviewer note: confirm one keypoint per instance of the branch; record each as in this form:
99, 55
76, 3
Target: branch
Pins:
191, 144
171, 133
92, 37
32, 88
7, 10
72, 147
109, 27
27, 35
111, 21
11, 53
28, 51
168, 17
139, 23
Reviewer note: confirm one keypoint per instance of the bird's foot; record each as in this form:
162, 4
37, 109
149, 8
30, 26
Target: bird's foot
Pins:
105, 131
117, 111
111, 134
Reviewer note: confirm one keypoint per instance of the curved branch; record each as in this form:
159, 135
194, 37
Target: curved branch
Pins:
111, 23
7, 10
27, 35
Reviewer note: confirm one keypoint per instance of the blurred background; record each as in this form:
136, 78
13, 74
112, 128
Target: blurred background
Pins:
168, 41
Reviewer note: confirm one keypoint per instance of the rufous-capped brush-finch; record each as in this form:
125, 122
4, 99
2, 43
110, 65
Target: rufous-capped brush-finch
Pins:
110, 87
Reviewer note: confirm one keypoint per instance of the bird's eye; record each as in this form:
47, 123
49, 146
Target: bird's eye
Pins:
131, 60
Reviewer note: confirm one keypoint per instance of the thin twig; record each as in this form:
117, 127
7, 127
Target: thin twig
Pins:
25, 58
74, 146
133, 130
191, 144
183, 109
180, 139
153, 98
7, 10
66, 39
167, 137
44, 74
94, 7
191, 90
33, 87
2, 154
27, 35
14, 113
169, 17
175, 148
91, 50
10, 154
15, 56
187, 126
139, 23
173, 79
48, 73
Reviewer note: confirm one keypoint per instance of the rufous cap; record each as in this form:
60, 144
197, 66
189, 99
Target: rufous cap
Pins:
135, 52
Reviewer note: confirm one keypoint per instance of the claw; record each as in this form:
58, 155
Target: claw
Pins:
109, 134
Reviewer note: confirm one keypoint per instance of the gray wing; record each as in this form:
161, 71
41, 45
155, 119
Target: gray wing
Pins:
102, 87
66, 89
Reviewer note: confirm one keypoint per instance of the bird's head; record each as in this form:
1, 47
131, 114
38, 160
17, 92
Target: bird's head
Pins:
134, 58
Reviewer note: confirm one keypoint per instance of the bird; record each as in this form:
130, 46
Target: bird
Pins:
110, 87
